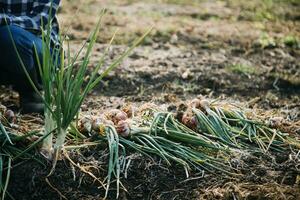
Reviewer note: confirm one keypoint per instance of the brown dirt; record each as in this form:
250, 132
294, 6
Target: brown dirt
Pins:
222, 49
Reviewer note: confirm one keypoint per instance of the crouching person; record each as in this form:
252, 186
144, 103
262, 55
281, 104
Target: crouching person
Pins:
21, 24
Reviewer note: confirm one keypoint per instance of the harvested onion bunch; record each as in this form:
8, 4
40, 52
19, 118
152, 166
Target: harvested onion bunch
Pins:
229, 125
97, 124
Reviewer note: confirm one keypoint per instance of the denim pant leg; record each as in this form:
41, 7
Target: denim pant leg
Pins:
11, 70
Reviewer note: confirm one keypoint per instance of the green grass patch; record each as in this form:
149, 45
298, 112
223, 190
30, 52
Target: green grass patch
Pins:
242, 69
266, 41
291, 41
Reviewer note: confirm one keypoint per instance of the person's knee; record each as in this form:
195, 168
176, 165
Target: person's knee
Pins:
17, 43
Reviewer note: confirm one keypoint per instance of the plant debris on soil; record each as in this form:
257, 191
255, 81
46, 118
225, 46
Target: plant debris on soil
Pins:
244, 53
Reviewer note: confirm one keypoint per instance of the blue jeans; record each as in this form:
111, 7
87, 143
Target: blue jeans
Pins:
11, 71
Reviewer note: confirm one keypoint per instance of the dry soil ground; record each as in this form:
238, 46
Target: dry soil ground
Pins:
245, 51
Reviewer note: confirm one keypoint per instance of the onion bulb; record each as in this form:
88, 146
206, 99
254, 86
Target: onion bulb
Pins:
276, 122
204, 104
116, 115
99, 123
195, 103
189, 120
123, 128
85, 125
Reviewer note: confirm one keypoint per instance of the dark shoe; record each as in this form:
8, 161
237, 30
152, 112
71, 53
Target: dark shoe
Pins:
4, 78
31, 102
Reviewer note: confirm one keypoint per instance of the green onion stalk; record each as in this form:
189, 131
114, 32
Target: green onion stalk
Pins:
158, 133
162, 135
180, 153
70, 90
232, 127
256, 131
142, 141
165, 124
117, 154
116, 159
5, 160
13, 147
48, 67
182, 142
5, 168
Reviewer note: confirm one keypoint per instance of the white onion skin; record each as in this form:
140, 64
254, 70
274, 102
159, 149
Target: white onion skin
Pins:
195, 103
204, 104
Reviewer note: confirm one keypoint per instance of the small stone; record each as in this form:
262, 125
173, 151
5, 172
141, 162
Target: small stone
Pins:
174, 39
186, 74
10, 116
